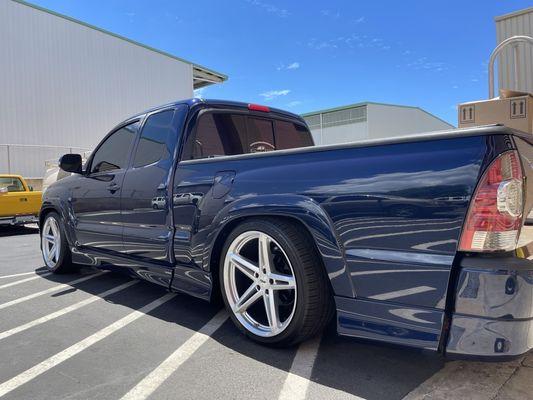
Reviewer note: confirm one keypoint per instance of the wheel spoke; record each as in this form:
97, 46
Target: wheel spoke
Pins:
282, 282
265, 256
271, 309
51, 253
249, 297
247, 267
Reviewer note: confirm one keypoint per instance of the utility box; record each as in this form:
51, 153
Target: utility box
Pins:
512, 109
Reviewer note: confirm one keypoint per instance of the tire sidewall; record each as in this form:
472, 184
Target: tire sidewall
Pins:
280, 237
59, 267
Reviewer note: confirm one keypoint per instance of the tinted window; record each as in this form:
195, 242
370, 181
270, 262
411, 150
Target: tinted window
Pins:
260, 135
218, 134
157, 139
290, 135
114, 152
12, 184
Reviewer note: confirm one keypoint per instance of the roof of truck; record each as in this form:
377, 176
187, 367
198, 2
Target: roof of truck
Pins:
192, 102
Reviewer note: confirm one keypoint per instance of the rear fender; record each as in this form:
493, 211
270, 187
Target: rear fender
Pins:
301, 208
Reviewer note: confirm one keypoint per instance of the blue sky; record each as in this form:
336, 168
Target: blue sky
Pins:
304, 56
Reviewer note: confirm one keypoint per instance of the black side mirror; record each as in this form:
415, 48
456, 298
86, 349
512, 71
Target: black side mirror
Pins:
70, 163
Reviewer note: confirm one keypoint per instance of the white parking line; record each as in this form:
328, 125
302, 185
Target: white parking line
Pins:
50, 290
66, 310
161, 373
42, 367
297, 381
37, 276
22, 274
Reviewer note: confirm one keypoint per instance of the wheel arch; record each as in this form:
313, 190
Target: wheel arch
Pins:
299, 210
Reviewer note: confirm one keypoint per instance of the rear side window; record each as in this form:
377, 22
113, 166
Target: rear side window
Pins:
218, 134
157, 139
290, 135
113, 153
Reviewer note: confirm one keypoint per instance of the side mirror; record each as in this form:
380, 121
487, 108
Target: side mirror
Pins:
31, 188
70, 163
3, 190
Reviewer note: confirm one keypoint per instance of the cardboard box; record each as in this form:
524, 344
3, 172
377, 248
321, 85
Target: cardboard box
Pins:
512, 109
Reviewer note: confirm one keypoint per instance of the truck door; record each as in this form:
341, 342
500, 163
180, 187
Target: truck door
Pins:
146, 216
96, 195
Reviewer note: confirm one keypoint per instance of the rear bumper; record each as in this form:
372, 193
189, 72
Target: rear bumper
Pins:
19, 220
493, 315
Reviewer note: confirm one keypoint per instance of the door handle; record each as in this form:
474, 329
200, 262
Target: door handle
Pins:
113, 187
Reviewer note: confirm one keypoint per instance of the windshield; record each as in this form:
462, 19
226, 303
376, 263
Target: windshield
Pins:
12, 184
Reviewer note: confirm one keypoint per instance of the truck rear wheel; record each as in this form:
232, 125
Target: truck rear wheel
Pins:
54, 245
272, 285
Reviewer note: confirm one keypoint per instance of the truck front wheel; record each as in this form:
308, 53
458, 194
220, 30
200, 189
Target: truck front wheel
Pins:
272, 285
54, 246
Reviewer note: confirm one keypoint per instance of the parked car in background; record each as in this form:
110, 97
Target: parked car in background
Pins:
410, 240
19, 204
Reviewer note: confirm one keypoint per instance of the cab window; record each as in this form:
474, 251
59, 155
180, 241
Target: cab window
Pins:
12, 184
157, 139
114, 152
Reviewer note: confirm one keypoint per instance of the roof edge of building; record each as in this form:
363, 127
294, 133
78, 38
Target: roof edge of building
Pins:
366, 103
513, 14
223, 77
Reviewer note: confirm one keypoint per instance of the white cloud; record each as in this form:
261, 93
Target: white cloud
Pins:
270, 8
294, 103
331, 14
272, 94
294, 65
359, 20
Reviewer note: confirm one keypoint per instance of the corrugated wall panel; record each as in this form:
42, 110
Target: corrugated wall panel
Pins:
65, 84
513, 25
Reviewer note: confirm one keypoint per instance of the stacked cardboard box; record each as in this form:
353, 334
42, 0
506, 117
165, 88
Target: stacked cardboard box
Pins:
512, 109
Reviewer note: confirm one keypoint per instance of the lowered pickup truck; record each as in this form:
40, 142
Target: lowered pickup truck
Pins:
408, 240
19, 204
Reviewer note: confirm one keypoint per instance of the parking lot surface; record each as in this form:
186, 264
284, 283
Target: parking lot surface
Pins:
101, 335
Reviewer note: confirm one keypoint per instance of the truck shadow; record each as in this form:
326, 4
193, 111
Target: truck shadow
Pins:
18, 230
370, 371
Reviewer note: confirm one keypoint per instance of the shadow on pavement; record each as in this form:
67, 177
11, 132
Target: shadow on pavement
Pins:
18, 230
371, 371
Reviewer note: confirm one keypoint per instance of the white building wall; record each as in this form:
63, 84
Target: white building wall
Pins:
66, 84
340, 134
519, 23
385, 121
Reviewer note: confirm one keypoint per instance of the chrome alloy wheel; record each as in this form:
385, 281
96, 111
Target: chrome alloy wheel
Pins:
51, 242
260, 284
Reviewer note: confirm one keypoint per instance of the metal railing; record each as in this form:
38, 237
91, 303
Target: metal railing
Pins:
515, 40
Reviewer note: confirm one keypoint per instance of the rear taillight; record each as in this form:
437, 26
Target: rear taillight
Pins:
494, 219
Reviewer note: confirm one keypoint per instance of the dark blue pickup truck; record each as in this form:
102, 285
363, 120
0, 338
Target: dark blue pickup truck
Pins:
413, 241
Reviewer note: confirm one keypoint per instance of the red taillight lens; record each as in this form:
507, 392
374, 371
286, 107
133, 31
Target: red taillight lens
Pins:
257, 107
494, 219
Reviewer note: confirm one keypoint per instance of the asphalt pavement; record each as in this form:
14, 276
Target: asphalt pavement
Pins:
101, 335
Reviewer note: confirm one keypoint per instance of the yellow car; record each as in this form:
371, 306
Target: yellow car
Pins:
19, 204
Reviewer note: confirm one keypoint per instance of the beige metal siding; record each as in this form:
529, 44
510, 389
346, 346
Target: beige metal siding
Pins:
66, 84
520, 23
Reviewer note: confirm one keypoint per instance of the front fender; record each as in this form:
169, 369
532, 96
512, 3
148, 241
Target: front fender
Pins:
306, 211
58, 201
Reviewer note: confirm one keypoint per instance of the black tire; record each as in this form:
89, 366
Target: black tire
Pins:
64, 263
314, 304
